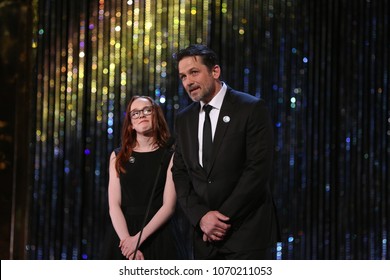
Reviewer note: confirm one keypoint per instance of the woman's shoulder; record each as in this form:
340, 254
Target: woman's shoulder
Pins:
116, 150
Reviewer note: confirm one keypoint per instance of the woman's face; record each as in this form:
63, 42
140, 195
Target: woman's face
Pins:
141, 114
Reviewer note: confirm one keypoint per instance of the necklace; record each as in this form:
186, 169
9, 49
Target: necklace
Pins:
146, 148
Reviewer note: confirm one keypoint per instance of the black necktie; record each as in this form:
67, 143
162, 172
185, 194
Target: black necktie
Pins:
207, 137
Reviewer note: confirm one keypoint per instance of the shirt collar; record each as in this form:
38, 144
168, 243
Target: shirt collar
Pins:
217, 100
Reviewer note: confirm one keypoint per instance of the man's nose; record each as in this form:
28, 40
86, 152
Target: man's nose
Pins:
189, 81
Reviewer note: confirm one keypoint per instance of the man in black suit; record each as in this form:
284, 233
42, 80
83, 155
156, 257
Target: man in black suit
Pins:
226, 195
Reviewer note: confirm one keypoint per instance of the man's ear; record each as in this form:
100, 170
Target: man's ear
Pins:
216, 71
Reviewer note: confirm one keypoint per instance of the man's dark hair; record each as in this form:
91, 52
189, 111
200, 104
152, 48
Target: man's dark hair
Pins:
208, 56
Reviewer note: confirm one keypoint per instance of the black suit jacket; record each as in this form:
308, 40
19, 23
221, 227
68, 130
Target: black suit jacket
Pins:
237, 183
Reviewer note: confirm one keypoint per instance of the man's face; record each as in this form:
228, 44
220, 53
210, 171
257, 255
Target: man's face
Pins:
198, 81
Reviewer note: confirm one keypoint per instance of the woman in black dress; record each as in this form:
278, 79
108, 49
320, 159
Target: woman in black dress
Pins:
133, 170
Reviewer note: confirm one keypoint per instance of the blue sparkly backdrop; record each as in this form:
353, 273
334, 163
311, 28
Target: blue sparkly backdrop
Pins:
322, 66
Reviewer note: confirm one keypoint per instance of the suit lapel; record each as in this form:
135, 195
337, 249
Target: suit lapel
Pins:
224, 117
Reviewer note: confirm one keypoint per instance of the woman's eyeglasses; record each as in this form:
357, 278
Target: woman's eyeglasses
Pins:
135, 114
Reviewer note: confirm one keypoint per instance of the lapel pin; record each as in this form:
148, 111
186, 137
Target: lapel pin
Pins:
226, 119
132, 159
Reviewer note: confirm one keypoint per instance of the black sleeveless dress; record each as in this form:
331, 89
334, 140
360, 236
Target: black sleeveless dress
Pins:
136, 189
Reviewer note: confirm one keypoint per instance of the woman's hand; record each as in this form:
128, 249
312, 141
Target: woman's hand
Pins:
138, 256
128, 245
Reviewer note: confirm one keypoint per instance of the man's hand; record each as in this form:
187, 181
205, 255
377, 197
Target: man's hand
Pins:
214, 226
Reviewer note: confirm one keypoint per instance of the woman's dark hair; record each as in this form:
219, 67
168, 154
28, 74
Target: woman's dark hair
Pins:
160, 133
208, 56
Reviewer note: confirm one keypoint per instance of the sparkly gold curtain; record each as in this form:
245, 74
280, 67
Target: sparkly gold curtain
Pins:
92, 56
322, 66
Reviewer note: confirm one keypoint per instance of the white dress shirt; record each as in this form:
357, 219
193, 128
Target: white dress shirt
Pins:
216, 103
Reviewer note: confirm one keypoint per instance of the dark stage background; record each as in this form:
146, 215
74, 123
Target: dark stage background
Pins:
322, 66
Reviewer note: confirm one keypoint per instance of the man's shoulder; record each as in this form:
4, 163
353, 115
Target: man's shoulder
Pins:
242, 97
188, 109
